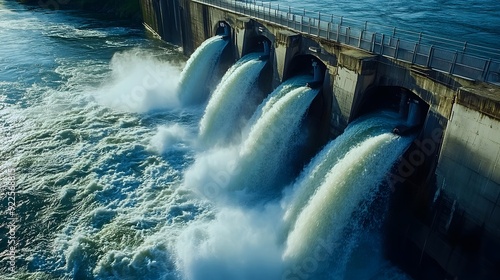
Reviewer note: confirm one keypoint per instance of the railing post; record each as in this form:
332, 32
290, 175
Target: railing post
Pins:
393, 35
429, 58
288, 15
338, 33
415, 49
328, 27
319, 23
486, 70
382, 45
360, 37
452, 66
348, 35
309, 26
465, 46
396, 50
372, 47
269, 11
264, 14
264, 11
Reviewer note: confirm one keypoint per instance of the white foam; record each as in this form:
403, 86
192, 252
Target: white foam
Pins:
170, 138
211, 173
329, 212
298, 195
283, 89
199, 69
237, 244
139, 83
266, 152
224, 110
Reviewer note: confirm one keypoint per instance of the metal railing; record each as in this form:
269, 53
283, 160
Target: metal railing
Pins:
453, 57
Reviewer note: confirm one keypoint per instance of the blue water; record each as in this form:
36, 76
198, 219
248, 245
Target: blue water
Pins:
111, 181
473, 21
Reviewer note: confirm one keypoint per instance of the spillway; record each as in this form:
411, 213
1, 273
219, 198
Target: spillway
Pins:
265, 153
336, 190
223, 113
198, 71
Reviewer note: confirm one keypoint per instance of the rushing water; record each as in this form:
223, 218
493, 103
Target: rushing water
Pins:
113, 179
224, 110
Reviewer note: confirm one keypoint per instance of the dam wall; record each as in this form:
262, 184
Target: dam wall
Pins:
444, 219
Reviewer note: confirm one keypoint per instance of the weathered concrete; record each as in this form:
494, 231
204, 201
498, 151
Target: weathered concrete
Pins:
469, 165
243, 32
436, 89
356, 71
287, 46
151, 16
459, 229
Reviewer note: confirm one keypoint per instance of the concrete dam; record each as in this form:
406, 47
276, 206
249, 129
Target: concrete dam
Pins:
444, 216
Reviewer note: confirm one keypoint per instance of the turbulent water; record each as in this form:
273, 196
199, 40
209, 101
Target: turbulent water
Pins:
223, 114
199, 68
119, 170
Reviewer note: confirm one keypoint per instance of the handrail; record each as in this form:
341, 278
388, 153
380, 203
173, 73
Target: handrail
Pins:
453, 57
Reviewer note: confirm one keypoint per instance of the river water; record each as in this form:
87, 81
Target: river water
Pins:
475, 21
103, 174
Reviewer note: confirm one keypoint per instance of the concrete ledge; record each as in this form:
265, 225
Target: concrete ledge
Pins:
358, 61
485, 99
243, 22
287, 38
